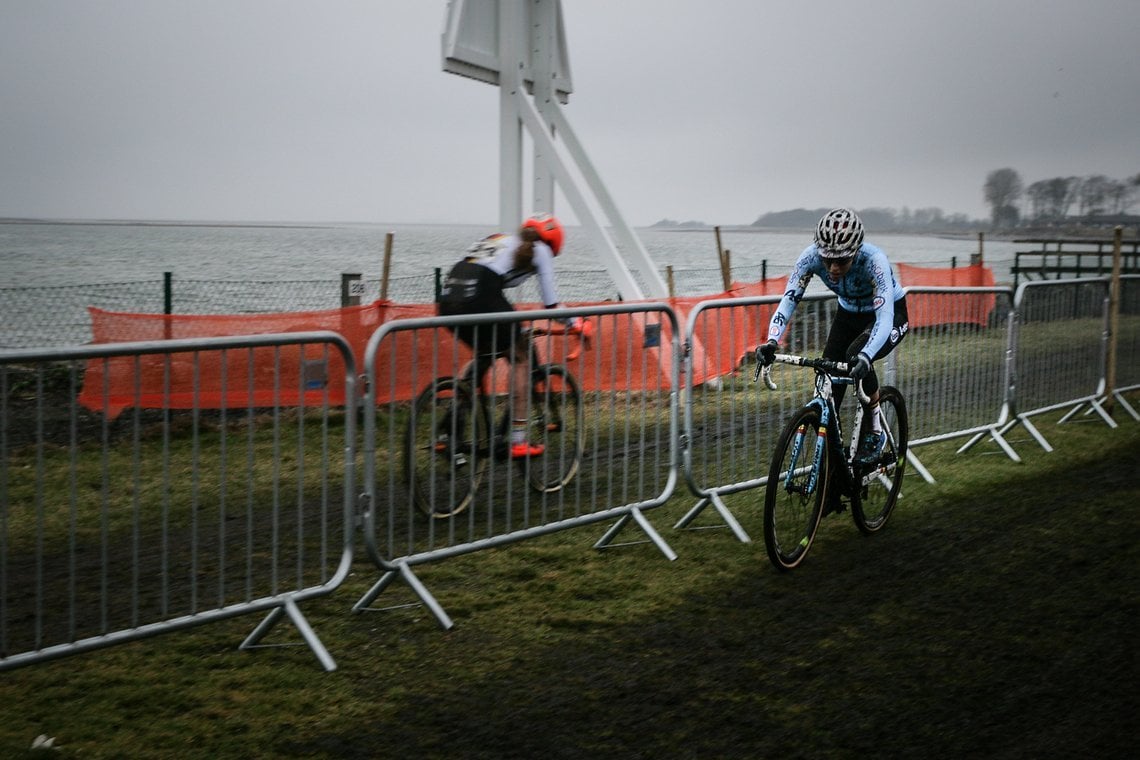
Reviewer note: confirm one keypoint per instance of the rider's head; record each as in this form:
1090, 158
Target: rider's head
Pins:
839, 234
548, 228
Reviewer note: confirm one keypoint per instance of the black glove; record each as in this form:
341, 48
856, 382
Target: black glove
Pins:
859, 367
767, 353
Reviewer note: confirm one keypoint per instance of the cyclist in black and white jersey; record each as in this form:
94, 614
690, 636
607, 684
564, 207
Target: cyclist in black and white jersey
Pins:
872, 316
475, 285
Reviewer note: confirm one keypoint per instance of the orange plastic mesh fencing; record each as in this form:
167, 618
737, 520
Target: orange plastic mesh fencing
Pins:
233, 378
929, 309
725, 336
633, 352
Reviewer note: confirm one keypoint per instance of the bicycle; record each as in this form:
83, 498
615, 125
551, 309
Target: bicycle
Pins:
451, 442
812, 472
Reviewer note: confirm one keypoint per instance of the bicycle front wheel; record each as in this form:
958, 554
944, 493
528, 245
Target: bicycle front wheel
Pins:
878, 488
447, 448
556, 422
797, 484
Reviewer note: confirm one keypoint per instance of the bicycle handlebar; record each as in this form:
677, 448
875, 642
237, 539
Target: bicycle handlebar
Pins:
828, 366
584, 333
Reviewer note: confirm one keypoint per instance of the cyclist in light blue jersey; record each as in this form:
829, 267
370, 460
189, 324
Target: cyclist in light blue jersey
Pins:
871, 319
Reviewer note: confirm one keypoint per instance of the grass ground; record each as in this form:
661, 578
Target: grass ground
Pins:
994, 617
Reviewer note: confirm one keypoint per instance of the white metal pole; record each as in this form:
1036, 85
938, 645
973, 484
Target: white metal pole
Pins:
510, 128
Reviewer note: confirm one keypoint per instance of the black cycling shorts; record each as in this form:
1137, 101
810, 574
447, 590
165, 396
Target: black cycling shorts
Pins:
472, 288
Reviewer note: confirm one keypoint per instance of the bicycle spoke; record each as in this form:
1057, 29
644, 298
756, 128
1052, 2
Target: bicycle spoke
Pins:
557, 423
797, 482
879, 488
446, 448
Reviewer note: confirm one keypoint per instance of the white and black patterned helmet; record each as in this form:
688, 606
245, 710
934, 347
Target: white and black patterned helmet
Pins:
839, 234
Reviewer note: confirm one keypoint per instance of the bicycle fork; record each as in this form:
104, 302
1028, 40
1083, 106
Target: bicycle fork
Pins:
790, 483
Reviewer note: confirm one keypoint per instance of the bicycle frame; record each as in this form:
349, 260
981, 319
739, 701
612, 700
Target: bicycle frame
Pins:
453, 433
475, 371
799, 493
827, 375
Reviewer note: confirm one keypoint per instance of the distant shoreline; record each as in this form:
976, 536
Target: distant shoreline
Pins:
1075, 232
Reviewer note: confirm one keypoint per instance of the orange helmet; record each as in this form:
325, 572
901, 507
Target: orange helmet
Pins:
548, 228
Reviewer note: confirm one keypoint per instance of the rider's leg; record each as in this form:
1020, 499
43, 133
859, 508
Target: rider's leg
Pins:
519, 394
519, 378
847, 329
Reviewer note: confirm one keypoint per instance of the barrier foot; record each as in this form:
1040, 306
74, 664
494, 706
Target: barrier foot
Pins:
369, 597
1033, 431
290, 608
607, 539
722, 509
998, 437
1098, 405
1094, 406
1000, 440
1124, 403
692, 513
404, 570
916, 464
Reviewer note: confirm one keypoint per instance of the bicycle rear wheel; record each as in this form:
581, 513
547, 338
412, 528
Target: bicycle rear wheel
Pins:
556, 422
878, 487
447, 448
797, 483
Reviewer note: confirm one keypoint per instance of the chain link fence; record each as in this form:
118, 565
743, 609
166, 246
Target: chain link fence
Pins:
57, 315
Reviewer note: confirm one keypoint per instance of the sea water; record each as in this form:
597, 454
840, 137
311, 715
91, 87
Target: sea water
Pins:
51, 272
46, 254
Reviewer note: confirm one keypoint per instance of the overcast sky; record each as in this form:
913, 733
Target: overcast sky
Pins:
717, 110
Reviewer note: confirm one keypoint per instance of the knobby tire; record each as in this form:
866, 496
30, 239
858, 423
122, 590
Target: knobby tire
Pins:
447, 448
877, 490
791, 511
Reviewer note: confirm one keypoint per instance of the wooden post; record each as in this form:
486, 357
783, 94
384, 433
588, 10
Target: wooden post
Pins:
722, 258
669, 280
1113, 322
387, 266
726, 270
979, 257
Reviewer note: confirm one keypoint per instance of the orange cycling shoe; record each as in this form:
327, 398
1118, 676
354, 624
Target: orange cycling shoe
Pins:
524, 450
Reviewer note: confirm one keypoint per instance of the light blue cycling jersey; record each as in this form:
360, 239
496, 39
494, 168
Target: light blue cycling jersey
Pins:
869, 285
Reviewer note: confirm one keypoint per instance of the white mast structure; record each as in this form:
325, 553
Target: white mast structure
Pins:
520, 46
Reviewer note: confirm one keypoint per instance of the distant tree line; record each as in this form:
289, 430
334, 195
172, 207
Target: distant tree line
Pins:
918, 219
1093, 199
1090, 201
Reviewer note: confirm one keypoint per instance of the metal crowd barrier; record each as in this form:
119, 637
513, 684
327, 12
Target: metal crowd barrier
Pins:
149, 487
1058, 343
955, 367
1126, 335
628, 382
731, 422
956, 370
152, 486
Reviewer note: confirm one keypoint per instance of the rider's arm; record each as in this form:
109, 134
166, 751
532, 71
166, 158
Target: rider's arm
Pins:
797, 283
883, 283
544, 269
